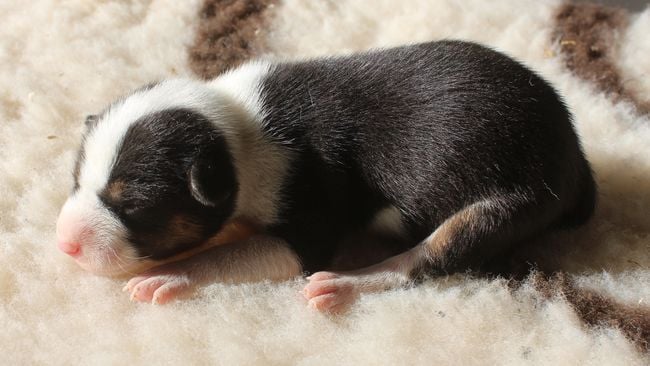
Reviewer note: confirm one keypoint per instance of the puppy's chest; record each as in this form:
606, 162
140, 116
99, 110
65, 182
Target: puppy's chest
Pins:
329, 199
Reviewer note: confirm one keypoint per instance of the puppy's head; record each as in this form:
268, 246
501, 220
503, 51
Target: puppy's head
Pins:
154, 177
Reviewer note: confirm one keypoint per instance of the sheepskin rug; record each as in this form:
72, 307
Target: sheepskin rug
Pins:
61, 60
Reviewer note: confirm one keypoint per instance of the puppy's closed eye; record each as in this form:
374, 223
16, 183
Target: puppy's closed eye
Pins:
141, 214
133, 210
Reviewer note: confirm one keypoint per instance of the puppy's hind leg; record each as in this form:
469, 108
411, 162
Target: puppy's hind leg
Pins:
465, 240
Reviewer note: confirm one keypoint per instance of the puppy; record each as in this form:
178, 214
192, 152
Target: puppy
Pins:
458, 151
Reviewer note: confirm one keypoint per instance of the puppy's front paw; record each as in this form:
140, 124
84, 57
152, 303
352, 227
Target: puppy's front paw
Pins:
161, 284
157, 289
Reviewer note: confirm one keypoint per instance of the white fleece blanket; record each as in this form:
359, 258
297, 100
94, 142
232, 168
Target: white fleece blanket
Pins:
61, 60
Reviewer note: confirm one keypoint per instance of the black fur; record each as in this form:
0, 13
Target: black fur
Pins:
154, 166
430, 129
439, 130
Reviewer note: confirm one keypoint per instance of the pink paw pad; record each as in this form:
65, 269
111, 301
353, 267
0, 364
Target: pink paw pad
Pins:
329, 292
157, 289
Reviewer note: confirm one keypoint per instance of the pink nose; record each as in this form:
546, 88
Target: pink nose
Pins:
72, 249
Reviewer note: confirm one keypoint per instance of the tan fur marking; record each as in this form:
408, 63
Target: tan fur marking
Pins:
436, 244
115, 190
181, 229
233, 231
236, 230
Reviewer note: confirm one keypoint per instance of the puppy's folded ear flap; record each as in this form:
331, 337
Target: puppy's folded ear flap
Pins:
212, 178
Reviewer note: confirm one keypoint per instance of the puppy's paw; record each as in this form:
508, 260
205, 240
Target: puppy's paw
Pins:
158, 289
330, 292
162, 284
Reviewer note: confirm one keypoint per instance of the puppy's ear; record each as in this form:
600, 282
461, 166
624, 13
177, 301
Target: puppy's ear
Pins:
212, 178
91, 120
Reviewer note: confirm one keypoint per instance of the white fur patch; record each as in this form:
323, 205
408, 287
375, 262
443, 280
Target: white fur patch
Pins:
258, 259
243, 85
102, 236
261, 165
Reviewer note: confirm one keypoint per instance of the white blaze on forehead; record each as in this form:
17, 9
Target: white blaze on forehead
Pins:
105, 139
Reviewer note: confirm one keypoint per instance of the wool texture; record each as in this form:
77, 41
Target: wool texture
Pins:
60, 61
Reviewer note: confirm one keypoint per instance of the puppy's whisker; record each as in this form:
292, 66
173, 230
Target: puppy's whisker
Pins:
137, 258
120, 262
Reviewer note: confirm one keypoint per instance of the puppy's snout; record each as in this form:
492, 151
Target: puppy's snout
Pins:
71, 248
71, 232
89, 235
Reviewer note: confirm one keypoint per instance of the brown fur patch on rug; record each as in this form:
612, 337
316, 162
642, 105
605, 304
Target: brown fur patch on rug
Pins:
595, 309
228, 34
588, 35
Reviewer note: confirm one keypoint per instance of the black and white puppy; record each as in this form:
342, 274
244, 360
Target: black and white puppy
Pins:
457, 150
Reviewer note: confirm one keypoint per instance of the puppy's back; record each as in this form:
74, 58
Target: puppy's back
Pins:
430, 127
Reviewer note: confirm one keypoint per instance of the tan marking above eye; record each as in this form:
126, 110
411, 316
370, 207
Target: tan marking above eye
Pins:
115, 189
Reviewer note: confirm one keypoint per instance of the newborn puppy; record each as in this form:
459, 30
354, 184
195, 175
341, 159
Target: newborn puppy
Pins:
458, 150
